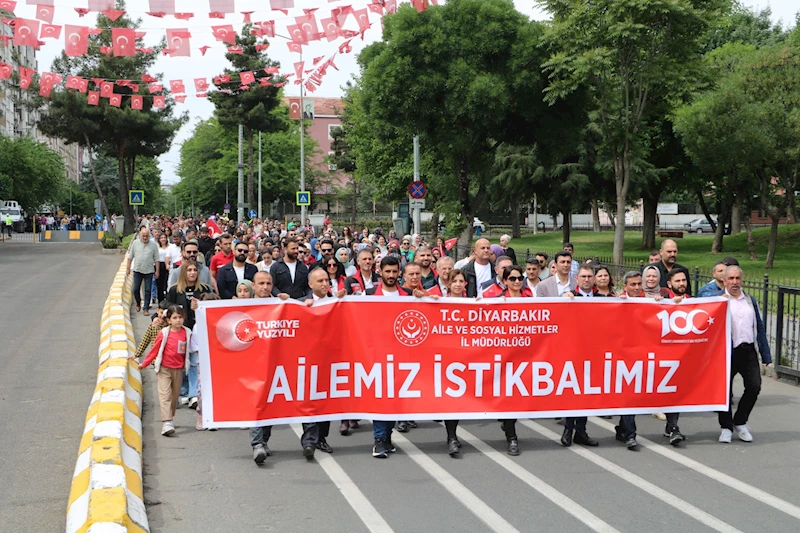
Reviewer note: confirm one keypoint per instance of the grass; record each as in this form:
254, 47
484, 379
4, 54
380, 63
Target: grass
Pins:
693, 250
126, 241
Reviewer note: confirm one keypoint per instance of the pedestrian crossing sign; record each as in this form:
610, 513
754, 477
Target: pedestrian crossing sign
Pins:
136, 197
303, 198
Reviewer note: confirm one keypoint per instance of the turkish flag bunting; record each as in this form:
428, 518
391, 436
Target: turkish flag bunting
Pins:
340, 13
246, 15
420, 5
76, 40
318, 59
25, 77
180, 98
281, 4
262, 47
235, 50
216, 15
226, 33
26, 32
81, 11
50, 31
155, 87
147, 78
362, 16
272, 70
391, 6
76, 82
308, 25
136, 102
159, 102
294, 108
202, 95
157, 14
184, 16
265, 29
177, 86
345, 48
115, 100
310, 87
222, 78
106, 50
264, 82
376, 8
113, 14
295, 47
178, 42
204, 49
124, 40
200, 84
247, 77
332, 30
5, 71
45, 90
224, 6
106, 89
45, 13
163, 6
95, 31
93, 98
297, 34
298, 68
8, 5
101, 5
48, 79
281, 84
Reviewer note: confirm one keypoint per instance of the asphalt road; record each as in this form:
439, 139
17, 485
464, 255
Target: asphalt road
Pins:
51, 299
200, 481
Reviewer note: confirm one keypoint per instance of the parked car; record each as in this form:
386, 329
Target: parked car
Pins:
701, 225
13, 209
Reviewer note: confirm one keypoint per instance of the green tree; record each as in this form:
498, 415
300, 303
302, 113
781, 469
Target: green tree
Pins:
122, 133
255, 106
628, 54
30, 173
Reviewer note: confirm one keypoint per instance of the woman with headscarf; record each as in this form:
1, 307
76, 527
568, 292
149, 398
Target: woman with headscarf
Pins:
343, 256
508, 251
245, 289
497, 251
315, 253
651, 279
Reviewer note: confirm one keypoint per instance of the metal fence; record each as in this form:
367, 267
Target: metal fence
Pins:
19, 237
787, 333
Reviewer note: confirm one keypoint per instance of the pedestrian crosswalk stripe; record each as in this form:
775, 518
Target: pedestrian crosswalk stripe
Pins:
667, 497
729, 481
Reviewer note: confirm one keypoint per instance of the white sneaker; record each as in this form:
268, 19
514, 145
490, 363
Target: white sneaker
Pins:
192, 403
167, 429
660, 416
725, 436
183, 401
743, 433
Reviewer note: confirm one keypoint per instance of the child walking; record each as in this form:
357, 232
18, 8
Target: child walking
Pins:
169, 352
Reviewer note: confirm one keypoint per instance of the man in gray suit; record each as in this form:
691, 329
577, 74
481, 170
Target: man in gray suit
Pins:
557, 285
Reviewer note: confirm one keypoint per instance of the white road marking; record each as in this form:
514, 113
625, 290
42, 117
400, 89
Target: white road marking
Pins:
640, 483
748, 490
592, 521
360, 504
478, 507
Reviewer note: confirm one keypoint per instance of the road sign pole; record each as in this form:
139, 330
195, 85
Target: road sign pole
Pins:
302, 150
259, 176
417, 213
240, 195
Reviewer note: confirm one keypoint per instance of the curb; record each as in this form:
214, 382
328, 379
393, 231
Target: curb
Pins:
107, 490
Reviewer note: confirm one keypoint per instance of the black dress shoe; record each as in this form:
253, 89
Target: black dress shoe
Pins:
324, 446
631, 443
619, 435
452, 447
566, 438
513, 447
584, 439
411, 424
308, 452
402, 427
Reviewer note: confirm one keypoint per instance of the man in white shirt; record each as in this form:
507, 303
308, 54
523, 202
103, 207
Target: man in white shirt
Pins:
749, 340
173, 256
479, 270
532, 271
562, 282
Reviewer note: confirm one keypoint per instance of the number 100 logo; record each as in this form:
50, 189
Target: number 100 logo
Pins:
683, 323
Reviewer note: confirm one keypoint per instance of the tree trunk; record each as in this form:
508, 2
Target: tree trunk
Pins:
736, 215
751, 243
773, 239
595, 216
622, 181
724, 211
435, 224
354, 206
516, 232
650, 207
702, 201
100, 194
467, 210
251, 197
555, 221
792, 199
566, 226
127, 208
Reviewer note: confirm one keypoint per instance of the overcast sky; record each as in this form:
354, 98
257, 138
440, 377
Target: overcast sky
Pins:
197, 66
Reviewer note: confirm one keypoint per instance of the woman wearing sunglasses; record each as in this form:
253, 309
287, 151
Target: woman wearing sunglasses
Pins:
514, 280
336, 276
457, 289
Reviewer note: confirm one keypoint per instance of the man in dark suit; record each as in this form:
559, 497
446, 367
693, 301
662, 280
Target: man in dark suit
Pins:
230, 275
289, 275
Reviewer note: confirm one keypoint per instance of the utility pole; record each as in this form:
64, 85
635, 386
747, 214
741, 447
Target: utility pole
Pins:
302, 149
259, 175
240, 195
417, 214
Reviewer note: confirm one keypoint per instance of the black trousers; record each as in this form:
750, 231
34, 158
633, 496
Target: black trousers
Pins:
627, 426
313, 433
578, 423
451, 426
510, 428
744, 361
161, 282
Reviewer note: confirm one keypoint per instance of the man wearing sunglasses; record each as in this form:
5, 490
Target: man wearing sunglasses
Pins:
190, 253
238, 270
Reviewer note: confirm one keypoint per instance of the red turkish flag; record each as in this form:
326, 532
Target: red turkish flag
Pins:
115, 100
294, 108
295, 47
200, 84
246, 15
223, 6
50, 31
81, 11
376, 8
204, 49
235, 50
362, 16
8, 5
331, 30
177, 86
25, 77
180, 98
216, 15
106, 89
163, 6
5, 71
113, 14
247, 77
420, 5
265, 29
45, 13
222, 79
308, 25
391, 6
297, 34
48, 79
124, 40
155, 87
178, 42
298, 68
93, 98
74, 82
76, 40
101, 5
26, 32
159, 102
45, 90
225, 33
136, 102
281, 4
184, 16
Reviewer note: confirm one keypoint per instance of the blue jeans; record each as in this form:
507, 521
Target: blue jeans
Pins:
382, 429
138, 279
189, 386
154, 287
627, 426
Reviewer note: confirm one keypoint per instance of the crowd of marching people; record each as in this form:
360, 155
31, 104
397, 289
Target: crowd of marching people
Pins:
179, 261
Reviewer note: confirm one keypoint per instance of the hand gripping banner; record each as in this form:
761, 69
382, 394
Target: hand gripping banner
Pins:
265, 361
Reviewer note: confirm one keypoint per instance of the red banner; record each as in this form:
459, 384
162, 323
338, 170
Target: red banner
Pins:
270, 362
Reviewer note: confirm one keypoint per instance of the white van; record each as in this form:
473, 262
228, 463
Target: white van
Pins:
13, 209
